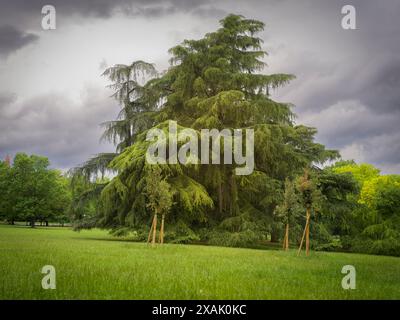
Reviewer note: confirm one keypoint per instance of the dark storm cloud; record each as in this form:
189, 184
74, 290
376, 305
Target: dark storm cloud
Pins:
102, 8
55, 126
382, 90
348, 81
11, 39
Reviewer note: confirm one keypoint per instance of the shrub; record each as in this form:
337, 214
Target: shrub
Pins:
234, 239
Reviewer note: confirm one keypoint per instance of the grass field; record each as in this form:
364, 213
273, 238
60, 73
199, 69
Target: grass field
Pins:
93, 265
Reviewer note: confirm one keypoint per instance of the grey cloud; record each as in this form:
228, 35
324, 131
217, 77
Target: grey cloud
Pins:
382, 83
7, 98
11, 39
53, 125
102, 8
347, 82
359, 133
350, 120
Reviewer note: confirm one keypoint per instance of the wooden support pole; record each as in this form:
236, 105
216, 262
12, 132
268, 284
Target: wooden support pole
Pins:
304, 234
153, 242
308, 233
287, 237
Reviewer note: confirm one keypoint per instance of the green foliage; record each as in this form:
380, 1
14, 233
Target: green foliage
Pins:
179, 232
374, 224
158, 192
246, 238
361, 172
34, 192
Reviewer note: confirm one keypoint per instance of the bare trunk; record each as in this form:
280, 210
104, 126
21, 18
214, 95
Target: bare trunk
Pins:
161, 237
274, 234
286, 238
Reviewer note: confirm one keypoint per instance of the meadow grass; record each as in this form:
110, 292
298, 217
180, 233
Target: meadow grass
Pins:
94, 265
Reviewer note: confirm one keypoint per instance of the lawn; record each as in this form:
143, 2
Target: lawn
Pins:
94, 265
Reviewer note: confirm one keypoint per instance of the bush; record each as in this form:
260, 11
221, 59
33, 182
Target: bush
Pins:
334, 245
180, 233
234, 239
389, 247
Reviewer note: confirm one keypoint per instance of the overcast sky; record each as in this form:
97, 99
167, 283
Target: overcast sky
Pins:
52, 97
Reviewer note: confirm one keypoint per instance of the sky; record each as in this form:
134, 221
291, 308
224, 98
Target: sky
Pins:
53, 98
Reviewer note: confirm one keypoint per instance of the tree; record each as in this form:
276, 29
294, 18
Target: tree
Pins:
36, 193
361, 172
159, 197
215, 82
309, 198
135, 115
340, 192
84, 199
288, 209
375, 215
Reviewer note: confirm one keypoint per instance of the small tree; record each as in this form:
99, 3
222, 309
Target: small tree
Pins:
288, 209
159, 197
310, 196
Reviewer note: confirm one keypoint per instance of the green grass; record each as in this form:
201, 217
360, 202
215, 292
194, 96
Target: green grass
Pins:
93, 265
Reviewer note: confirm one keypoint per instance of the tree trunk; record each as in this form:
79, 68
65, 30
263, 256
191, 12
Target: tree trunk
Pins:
284, 242
32, 223
47, 223
286, 238
161, 237
274, 234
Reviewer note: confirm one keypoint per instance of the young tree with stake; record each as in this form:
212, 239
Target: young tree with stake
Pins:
288, 209
159, 196
308, 191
